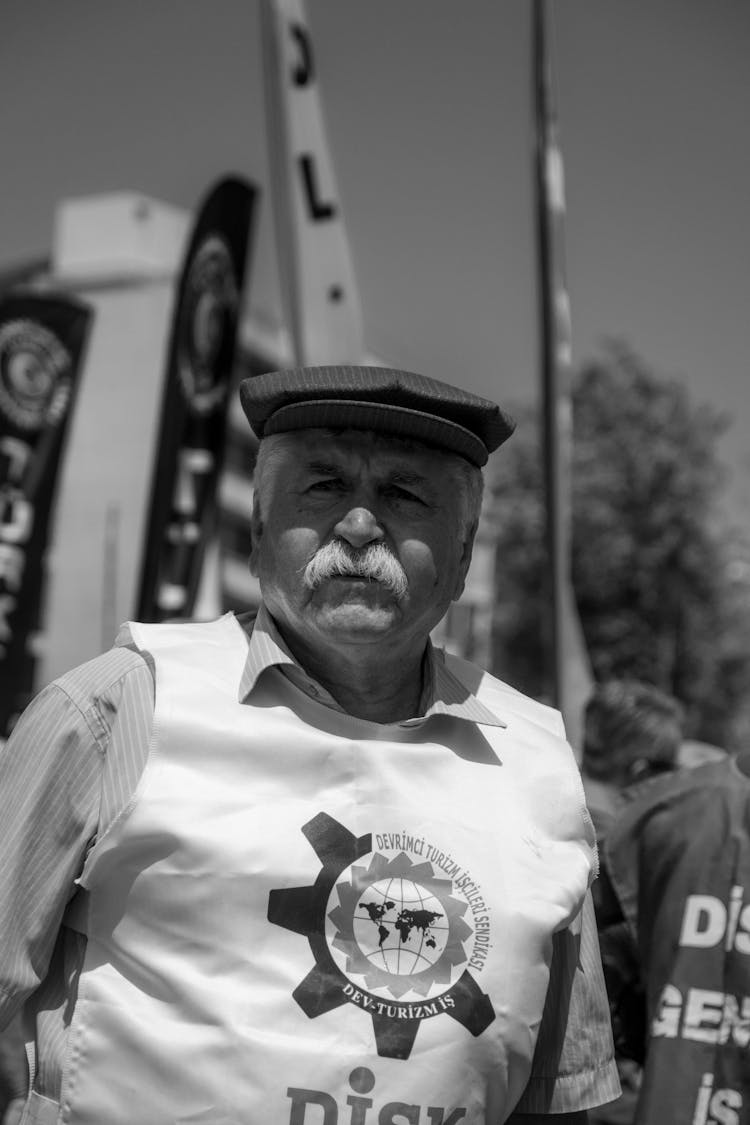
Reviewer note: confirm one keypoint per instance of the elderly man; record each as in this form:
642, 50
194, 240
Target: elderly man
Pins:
308, 869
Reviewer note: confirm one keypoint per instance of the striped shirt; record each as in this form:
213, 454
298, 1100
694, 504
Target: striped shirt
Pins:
72, 766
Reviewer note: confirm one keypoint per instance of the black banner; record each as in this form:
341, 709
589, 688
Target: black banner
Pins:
42, 339
192, 429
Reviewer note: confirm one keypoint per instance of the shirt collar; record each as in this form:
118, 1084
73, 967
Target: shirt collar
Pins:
266, 649
444, 693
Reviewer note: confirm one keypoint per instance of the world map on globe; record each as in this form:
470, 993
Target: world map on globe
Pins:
400, 926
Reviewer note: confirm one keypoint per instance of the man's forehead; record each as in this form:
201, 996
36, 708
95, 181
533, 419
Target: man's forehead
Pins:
339, 446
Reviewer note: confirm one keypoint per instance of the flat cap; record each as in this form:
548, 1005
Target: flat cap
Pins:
400, 403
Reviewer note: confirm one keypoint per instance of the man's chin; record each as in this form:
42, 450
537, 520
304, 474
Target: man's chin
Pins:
357, 620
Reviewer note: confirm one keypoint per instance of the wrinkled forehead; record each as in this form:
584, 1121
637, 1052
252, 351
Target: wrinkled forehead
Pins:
366, 447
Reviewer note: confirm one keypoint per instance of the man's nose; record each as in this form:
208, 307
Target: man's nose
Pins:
359, 527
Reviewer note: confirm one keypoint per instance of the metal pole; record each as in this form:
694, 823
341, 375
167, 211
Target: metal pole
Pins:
553, 474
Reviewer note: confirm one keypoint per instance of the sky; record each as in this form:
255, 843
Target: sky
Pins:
428, 109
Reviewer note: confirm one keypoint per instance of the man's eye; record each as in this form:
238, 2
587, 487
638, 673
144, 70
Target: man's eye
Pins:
331, 484
396, 492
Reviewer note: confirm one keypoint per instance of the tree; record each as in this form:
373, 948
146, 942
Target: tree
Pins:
660, 579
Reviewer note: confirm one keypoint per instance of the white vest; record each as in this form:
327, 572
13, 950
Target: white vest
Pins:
308, 919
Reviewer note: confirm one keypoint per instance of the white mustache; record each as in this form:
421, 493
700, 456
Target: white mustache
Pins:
375, 563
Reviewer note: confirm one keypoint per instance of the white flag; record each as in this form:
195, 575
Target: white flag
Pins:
316, 267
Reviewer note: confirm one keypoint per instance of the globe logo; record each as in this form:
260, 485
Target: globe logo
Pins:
381, 928
400, 927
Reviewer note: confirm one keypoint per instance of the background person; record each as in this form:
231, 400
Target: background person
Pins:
632, 731
677, 869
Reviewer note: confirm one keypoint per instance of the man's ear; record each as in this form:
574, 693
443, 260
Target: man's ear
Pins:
256, 534
465, 561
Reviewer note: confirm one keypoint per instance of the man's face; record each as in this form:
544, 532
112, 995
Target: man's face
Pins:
347, 493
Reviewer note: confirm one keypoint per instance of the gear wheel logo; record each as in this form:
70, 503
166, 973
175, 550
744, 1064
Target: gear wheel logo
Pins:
387, 935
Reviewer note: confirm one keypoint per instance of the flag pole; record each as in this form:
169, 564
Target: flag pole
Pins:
278, 147
569, 673
550, 375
